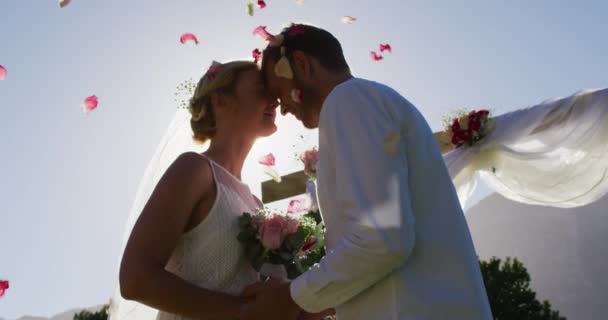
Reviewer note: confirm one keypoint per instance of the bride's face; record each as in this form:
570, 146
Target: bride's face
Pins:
253, 110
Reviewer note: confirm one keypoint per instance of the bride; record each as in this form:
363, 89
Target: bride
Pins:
182, 256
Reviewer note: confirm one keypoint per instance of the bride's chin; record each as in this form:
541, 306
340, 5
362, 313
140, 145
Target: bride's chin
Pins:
268, 131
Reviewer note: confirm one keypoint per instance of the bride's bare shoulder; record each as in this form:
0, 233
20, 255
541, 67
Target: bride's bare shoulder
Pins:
193, 167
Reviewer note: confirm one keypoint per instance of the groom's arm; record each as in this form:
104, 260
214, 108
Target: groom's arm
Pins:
373, 198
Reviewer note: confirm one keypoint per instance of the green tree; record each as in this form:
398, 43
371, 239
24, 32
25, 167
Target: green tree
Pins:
509, 292
88, 315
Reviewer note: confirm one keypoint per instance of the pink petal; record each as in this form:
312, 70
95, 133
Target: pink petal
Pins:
257, 54
376, 56
267, 160
213, 69
261, 31
261, 4
312, 240
295, 29
386, 47
63, 3
188, 37
89, 104
299, 1
296, 206
3, 286
3, 73
348, 19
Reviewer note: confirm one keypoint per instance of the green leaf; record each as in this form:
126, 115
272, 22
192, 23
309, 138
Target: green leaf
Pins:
244, 220
286, 256
246, 236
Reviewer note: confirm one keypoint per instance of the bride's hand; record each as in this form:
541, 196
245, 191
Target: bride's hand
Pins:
251, 290
316, 316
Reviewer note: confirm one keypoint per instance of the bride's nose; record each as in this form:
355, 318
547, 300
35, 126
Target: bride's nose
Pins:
274, 104
283, 110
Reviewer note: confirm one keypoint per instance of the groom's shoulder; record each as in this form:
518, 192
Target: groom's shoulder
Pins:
358, 93
355, 88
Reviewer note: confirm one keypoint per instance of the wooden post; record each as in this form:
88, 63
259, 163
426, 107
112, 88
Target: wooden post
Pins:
291, 185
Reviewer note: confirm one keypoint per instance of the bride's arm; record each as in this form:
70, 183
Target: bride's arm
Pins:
188, 183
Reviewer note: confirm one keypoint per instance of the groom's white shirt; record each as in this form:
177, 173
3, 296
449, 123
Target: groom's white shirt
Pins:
398, 246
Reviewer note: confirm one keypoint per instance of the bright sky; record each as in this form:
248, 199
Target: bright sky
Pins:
68, 180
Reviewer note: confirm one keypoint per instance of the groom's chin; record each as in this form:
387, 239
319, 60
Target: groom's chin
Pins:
309, 124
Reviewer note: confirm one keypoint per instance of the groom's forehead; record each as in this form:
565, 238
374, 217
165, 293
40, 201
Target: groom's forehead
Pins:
269, 78
266, 67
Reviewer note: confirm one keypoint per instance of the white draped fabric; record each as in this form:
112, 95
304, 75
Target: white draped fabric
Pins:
552, 154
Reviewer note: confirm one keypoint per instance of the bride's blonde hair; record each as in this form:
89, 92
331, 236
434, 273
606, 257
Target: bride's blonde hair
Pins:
222, 79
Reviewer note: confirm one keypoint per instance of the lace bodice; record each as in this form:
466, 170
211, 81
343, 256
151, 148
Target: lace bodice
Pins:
209, 255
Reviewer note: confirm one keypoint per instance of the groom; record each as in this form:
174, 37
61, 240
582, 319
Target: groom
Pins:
398, 245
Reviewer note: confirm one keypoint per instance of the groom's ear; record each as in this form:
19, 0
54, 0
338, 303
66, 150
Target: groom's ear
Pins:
301, 63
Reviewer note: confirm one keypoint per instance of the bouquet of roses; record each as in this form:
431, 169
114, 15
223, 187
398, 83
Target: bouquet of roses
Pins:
288, 242
469, 127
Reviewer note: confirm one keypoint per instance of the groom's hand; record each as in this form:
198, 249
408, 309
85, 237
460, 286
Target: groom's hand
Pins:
272, 301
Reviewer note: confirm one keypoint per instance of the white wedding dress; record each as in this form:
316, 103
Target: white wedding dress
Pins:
208, 256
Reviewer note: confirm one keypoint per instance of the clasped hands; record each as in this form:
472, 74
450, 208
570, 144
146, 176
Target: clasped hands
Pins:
271, 300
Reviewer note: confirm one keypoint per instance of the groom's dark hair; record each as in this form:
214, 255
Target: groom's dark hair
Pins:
313, 41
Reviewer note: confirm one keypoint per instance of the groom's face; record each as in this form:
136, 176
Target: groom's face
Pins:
302, 106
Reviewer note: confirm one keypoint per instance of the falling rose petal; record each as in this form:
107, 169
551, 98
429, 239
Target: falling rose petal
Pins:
3, 287
276, 40
348, 20
391, 143
376, 56
250, 8
262, 32
272, 173
267, 160
295, 29
386, 47
188, 38
63, 3
89, 104
261, 4
257, 54
296, 206
299, 1
3, 73
296, 95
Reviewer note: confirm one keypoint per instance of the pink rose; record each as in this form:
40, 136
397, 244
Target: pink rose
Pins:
310, 159
291, 227
275, 229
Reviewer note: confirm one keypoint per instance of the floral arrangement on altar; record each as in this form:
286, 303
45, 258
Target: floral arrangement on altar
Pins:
468, 128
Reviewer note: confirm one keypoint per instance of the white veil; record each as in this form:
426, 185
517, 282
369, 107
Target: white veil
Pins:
177, 140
